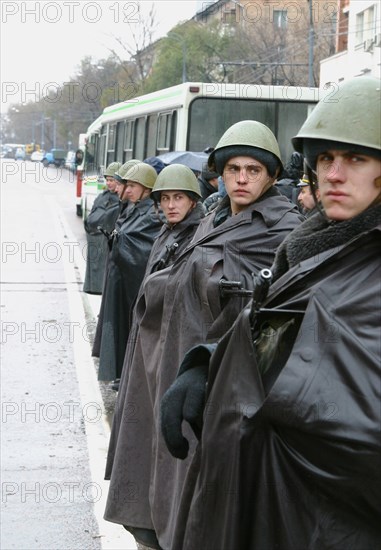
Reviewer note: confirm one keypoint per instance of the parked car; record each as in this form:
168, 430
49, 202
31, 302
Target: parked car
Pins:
37, 156
9, 152
20, 153
56, 157
70, 163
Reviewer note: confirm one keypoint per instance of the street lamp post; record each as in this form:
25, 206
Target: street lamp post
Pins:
42, 122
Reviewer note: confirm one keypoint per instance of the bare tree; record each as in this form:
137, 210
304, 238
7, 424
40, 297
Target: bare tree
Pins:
265, 53
140, 39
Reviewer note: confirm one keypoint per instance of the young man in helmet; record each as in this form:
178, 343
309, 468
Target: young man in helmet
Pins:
103, 214
133, 237
296, 435
119, 176
177, 191
197, 300
121, 182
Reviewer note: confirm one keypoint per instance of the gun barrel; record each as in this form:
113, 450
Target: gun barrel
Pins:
105, 233
262, 282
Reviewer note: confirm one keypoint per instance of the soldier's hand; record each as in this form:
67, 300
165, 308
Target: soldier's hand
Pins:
184, 400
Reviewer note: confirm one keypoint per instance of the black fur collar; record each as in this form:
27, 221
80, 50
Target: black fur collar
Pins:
317, 234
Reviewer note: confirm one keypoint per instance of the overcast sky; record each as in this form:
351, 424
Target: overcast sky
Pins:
43, 42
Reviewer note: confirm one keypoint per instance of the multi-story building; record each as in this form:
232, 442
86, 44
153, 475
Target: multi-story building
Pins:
282, 41
358, 42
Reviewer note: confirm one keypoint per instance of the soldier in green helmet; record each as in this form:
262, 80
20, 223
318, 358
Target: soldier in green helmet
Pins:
100, 222
195, 300
135, 231
120, 176
177, 191
290, 445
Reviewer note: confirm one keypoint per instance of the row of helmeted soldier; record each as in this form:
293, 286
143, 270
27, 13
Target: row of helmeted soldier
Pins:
248, 411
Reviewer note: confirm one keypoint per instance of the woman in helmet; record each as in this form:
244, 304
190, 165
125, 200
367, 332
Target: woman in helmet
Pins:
196, 300
103, 214
133, 237
177, 191
297, 437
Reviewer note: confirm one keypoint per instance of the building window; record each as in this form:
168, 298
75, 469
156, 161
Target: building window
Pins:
280, 19
365, 25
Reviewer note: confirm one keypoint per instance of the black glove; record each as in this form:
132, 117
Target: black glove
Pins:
184, 400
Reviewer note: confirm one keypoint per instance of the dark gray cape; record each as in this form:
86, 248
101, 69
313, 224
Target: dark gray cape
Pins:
104, 213
133, 382
291, 460
137, 228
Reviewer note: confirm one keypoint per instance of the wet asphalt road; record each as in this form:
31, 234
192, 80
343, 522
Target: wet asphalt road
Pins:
55, 415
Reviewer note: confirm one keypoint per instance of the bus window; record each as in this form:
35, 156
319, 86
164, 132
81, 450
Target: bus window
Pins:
164, 133
151, 136
128, 140
140, 130
111, 144
173, 131
210, 118
101, 150
119, 141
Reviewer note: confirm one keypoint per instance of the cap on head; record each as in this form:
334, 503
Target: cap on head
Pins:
121, 173
304, 182
111, 169
247, 138
176, 177
352, 118
142, 173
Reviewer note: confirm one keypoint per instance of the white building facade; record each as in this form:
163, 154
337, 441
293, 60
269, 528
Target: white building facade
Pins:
363, 53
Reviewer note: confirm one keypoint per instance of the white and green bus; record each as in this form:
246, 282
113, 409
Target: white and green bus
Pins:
187, 117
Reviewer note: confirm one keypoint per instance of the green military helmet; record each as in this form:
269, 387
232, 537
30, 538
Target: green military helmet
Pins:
352, 116
111, 169
247, 138
176, 177
121, 173
142, 173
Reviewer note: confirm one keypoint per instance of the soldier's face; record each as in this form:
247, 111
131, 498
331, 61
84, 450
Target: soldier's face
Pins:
246, 179
111, 184
135, 191
120, 189
347, 182
306, 199
175, 205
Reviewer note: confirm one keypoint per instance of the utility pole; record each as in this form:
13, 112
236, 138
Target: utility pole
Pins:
311, 81
43, 132
54, 133
184, 48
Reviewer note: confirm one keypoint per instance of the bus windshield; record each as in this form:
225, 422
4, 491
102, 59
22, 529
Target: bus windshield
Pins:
210, 117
